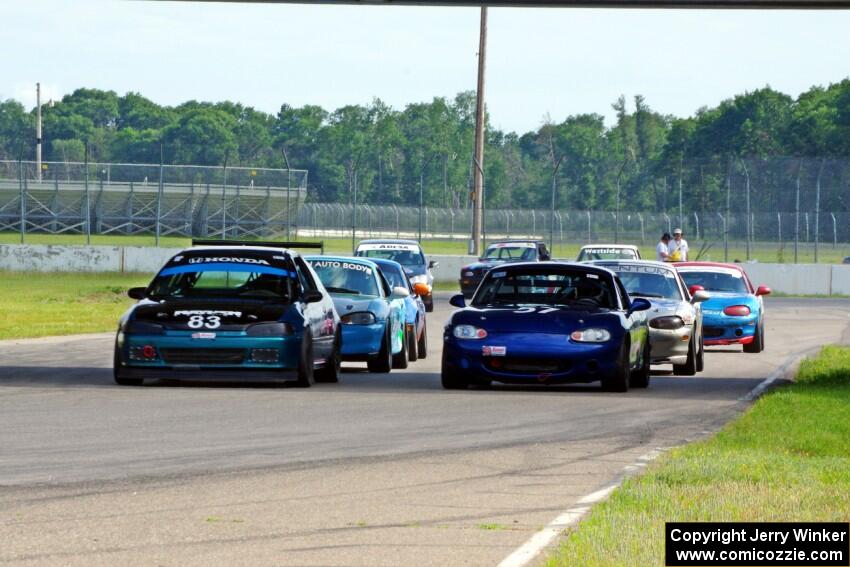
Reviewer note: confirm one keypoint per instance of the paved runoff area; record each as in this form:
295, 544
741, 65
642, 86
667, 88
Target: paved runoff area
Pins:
376, 470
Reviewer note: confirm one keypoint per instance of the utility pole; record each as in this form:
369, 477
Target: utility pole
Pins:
38, 130
478, 171
554, 195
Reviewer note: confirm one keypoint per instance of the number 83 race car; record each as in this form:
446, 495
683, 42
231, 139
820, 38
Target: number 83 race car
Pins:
228, 311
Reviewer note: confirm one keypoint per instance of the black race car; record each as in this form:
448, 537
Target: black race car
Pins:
498, 253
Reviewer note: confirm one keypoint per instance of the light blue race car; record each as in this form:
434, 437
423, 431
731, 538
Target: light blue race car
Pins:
414, 308
372, 312
734, 314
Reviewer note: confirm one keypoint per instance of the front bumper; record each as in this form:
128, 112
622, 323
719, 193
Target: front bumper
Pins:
227, 356
362, 342
726, 330
532, 358
670, 346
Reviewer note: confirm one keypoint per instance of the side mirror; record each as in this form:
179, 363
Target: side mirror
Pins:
399, 293
432, 264
457, 301
763, 290
421, 289
312, 296
638, 304
137, 292
700, 296
694, 289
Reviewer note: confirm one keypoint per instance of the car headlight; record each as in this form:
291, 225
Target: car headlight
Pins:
359, 318
591, 335
667, 323
468, 274
420, 278
143, 328
269, 330
469, 332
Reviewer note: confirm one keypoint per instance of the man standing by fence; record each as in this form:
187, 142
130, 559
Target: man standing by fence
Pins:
678, 247
662, 252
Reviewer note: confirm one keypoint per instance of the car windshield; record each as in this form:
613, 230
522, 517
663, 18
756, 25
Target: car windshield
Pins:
732, 282
648, 281
510, 252
339, 276
545, 286
606, 254
218, 280
404, 254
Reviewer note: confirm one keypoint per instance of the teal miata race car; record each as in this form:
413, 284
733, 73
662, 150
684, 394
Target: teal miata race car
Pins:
227, 310
372, 312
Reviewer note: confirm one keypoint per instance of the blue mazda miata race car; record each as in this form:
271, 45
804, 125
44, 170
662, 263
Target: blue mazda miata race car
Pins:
371, 311
734, 314
548, 323
224, 311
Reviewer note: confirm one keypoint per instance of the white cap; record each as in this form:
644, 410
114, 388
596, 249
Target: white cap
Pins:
677, 231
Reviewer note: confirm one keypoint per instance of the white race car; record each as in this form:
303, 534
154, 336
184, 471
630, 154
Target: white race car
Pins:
675, 318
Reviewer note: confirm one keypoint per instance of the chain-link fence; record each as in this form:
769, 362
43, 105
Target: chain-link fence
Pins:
129, 199
716, 228
810, 222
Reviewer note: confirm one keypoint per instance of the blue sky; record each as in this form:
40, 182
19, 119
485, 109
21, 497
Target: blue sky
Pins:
540, 61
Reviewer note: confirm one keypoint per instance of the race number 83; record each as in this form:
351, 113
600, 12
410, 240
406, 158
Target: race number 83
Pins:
204, 321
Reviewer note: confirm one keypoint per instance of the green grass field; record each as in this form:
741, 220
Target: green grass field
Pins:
786, 459
761, 252
38, 305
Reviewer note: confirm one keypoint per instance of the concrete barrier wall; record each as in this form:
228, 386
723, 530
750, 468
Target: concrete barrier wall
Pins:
804, 279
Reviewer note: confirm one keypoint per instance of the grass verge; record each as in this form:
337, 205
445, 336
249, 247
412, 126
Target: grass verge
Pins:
786, 459
42, 304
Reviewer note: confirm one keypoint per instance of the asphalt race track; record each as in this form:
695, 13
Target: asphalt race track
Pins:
377, 470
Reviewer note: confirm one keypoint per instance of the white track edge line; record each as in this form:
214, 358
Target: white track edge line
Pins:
528, 551
524, 554
765, 384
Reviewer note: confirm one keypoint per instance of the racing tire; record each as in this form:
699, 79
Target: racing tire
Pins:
383, 363
116, 363
452, 379
701, 356
400, 358
689, 368
640, 377
422, 345
429, 307
412, 351
306, 363
757, 345
620, 379
330, 372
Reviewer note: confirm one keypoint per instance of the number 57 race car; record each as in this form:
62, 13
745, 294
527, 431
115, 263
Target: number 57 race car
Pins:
228, 311
547, 323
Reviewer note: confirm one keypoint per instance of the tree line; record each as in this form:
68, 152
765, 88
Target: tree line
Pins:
639, 162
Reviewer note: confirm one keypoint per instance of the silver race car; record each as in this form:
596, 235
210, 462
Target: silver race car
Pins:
675, 319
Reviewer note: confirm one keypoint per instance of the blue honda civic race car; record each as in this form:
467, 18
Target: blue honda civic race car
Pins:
230, 311
734, 313
548, 323
414, 308
371, 311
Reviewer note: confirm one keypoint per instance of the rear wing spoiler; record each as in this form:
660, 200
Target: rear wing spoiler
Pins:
263, 243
